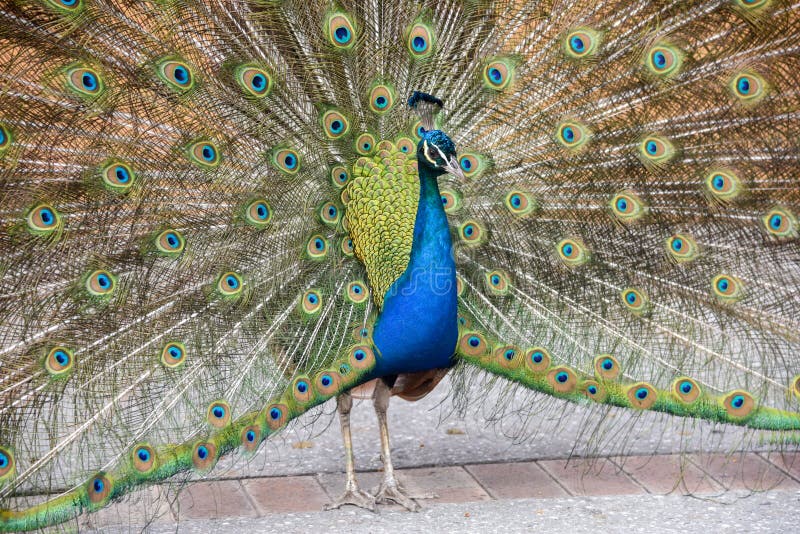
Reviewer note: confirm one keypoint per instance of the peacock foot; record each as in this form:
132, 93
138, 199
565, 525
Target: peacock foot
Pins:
356, 497
391, 491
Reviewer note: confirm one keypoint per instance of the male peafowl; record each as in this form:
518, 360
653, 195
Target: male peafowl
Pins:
219, 214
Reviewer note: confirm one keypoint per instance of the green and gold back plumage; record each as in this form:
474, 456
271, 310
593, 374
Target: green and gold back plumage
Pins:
188, 243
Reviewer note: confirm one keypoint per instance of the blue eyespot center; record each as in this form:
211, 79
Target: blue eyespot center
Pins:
686, 387
258, 82
659, 60
419, 44
61, 357
474, 341
122, 174
537, 357
509, 354
495, 280
208, 153
567, 250
290, 161
738, 401
342, 35
3, 460
381, 102
312, 298
319, 244
562, 377
202, 452
143, 455
630, 297
89, 81
231, 281
366, 146
677, 244
302, 387
516, 201
250, 436
172, 240
568, 134
181, 75
360, 355
592, 389
622, 204
469, 230
775, 222
718, 182
652, 148
466, 164
69, 3
608, 364
577, 44
103, 281
175, 353
262, 211
642, 393
723, 284
357, 289
326, 380
98, 485
47, 217
743, 85
495, 75
336, 126
218, 411
275, 414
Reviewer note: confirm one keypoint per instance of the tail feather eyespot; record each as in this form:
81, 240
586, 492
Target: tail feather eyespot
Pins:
562, 379
606, 367
641, 395
99, 489
738, 404
219, 414
537, 359
686, 390
143, 458
251, 437
204, 455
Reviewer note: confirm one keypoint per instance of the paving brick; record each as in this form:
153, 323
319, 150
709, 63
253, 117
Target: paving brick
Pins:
450, 484
523, 480
595, 476
286, 494
744, 471
665, 474
788, 461
208, 500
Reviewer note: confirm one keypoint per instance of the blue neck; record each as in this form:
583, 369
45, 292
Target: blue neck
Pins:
417, 328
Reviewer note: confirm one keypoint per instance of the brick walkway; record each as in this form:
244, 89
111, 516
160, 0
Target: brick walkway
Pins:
545, 479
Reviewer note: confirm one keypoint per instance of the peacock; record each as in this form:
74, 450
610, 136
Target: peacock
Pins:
218, 215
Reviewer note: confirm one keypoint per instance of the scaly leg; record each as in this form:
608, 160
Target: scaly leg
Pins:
390, 489
352, 493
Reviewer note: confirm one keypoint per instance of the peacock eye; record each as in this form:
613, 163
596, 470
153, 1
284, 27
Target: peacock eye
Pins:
432, 154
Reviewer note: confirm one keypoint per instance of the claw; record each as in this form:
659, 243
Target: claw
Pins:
392, 491
356, 497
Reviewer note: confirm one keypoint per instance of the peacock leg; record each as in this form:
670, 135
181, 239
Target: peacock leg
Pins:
352, 493
390, 489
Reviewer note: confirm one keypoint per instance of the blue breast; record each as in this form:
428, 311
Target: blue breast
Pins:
417, 329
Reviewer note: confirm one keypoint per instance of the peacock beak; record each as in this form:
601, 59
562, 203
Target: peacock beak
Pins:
454, 168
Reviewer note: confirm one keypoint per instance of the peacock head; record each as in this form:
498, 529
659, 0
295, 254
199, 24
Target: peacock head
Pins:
438, 152
435, 151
